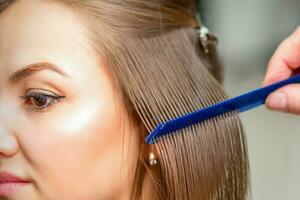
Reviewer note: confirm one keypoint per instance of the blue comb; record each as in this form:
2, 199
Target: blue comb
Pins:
240, 103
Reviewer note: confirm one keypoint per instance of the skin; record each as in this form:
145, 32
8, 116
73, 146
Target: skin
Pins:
73, 148
284, 63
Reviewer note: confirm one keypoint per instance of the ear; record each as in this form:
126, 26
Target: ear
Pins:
149, 154
148, 151
153, 173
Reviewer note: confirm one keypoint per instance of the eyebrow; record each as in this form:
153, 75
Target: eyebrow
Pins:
34, 68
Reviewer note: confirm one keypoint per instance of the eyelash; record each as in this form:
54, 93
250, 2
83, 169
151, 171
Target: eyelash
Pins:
38, 96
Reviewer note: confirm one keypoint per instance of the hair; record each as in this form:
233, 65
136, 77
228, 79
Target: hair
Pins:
154, 53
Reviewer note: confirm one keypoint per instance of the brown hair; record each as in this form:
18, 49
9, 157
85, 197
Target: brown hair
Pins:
152, 49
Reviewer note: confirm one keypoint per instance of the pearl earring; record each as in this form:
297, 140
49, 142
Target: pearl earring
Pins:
152, 159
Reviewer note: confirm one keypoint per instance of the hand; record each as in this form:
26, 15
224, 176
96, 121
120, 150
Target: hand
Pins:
284, 64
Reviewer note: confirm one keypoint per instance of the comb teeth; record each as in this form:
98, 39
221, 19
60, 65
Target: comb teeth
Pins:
240, 103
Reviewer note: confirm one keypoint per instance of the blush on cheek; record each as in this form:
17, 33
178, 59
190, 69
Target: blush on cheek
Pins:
83, 141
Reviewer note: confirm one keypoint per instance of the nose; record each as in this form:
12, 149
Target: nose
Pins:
8, 141
8, 144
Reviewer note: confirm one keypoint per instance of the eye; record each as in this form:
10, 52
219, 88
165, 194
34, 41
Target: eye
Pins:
40, 100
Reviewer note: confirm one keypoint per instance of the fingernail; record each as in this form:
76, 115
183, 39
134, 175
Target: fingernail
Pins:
277, 101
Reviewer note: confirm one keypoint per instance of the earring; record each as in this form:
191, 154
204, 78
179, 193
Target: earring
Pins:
152, 159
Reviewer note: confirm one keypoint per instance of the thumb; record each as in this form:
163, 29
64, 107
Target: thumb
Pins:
286, 99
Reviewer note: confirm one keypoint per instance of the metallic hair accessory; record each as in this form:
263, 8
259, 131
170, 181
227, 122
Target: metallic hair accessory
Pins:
206, 38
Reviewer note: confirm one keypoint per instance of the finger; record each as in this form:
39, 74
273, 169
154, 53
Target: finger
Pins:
286, 99
285, 60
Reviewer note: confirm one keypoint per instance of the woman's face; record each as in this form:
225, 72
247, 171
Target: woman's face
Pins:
63, 127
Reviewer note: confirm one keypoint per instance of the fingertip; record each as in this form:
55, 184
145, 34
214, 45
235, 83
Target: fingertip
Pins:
277, 101
286, 99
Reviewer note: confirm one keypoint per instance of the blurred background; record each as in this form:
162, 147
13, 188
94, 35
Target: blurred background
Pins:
249, 31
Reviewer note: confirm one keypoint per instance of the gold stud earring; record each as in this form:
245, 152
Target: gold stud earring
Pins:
152, 159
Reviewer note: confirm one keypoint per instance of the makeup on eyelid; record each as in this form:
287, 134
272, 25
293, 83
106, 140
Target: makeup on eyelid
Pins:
46, 81
40, 100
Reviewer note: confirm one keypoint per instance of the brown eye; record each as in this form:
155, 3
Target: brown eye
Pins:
40, 101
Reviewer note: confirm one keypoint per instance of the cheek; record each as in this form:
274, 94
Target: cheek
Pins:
84, 139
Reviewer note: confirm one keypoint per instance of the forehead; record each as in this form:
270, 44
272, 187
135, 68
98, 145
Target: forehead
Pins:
35, 30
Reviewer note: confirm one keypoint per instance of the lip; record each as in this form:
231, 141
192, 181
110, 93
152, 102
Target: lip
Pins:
10, 183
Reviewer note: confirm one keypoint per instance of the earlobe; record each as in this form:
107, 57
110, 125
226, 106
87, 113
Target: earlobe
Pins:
152, 159
150, 154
